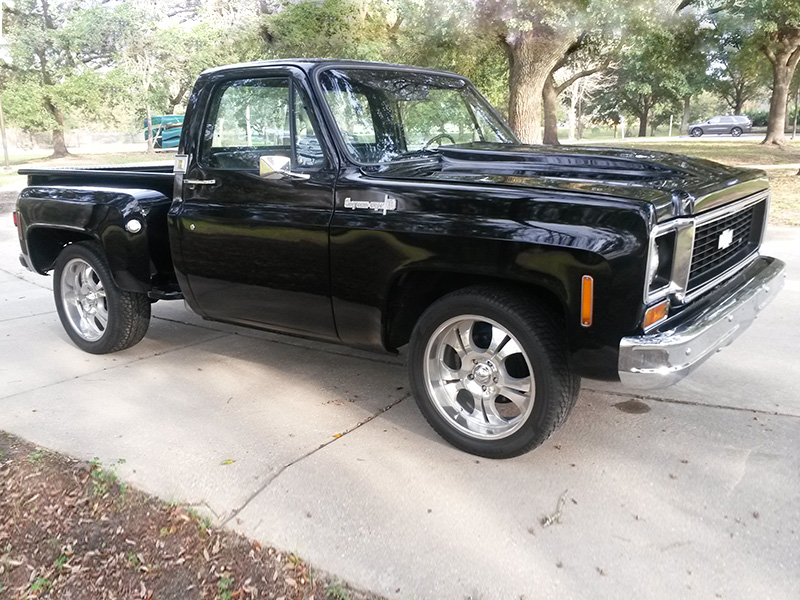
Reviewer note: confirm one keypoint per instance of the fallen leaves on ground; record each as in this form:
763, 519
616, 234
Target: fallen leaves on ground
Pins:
72, 530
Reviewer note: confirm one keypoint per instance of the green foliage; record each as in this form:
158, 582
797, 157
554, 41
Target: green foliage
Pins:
332, 29
37, 455
337, 591
767, 18
105, 480
60, 562
56, 50
40, 584
225, 588
739, 69
661, 62
70, 62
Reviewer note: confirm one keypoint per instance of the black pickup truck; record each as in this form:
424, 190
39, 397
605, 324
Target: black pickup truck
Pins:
380, 205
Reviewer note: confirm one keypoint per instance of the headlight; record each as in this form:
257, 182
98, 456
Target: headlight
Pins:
653, 263
659, 265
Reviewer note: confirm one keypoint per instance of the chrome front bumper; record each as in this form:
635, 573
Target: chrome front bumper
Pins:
662, 359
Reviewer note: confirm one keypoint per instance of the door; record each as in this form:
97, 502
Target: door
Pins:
254, 248
715, 125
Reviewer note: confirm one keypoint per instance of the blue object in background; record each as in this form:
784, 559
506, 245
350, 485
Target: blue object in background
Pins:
166, 130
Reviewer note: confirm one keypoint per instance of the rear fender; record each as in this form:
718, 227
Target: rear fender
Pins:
117, 219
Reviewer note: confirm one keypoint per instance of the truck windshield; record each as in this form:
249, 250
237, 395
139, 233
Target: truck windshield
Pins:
386, 115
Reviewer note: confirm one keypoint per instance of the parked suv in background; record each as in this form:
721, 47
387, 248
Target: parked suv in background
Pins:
732, 124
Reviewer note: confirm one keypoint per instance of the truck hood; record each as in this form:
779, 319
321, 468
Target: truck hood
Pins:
674, 185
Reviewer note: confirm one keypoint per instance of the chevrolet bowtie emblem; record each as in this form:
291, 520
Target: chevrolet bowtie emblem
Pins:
725, 239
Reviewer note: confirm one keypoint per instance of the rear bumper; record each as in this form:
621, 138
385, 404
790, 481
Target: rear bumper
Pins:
661, 359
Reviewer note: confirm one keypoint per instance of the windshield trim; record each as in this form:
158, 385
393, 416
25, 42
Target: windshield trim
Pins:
338, 136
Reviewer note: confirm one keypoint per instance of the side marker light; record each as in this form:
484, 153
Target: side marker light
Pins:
587, 300
655, 314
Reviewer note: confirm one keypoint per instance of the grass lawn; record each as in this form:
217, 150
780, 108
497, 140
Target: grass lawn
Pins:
739, 152
785, 204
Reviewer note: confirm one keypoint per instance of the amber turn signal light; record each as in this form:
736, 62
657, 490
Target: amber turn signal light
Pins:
587, 300
655, 314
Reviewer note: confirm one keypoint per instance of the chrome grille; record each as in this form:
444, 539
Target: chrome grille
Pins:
721, 243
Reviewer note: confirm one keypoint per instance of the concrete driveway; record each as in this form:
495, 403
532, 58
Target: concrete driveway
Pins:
694, 494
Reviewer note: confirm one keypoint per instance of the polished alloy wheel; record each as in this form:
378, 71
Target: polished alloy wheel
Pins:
84, 299
479, 377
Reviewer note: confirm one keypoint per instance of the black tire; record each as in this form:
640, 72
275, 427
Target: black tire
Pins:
696, 132
449, 394
736, 131
97, 315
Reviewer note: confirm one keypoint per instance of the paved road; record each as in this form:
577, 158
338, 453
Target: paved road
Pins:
699, 497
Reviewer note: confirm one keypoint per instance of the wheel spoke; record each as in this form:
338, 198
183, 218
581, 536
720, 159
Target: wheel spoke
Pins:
500, 340
70, 295
460, 338
101, 316
85, 325
86, 275
509, 349
490, 413
518, 391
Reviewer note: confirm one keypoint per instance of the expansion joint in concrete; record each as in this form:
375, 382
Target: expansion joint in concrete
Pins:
757, 411
308, 454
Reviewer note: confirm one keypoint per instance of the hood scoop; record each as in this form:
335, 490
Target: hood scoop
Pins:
527, 161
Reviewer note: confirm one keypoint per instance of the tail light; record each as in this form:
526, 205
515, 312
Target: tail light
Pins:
18, 223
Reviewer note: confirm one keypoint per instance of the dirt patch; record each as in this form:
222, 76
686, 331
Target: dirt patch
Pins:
70, 529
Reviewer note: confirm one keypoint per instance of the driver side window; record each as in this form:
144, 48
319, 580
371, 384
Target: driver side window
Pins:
251, 118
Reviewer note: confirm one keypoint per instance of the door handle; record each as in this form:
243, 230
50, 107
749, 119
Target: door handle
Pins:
199, 181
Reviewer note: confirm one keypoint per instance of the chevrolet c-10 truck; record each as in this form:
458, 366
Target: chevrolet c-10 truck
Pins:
380, 206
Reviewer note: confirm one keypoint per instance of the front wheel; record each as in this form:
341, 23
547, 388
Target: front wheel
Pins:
97, 315
490, 373
697, 132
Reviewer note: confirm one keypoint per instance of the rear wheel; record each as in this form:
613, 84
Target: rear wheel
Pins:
696, 132
97, 315
736, 131
489, 371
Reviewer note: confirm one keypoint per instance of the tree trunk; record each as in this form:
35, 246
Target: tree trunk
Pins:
796, 102
532, 55
784, 62
177, 99
150, 141
643, 118
776, 125
550, 106
59, 144
573, 110
685, 118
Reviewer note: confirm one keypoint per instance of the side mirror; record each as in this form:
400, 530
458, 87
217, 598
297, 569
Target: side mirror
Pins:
278, 167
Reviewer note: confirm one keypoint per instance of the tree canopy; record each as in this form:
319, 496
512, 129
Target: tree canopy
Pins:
118, 62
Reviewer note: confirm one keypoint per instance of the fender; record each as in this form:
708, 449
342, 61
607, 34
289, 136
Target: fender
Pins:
53, 216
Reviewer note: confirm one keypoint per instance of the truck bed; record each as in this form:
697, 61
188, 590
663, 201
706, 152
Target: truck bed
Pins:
151, 176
